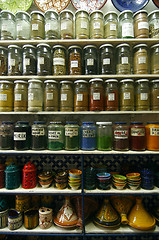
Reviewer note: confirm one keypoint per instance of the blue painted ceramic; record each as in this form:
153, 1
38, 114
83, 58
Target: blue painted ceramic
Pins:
133, 5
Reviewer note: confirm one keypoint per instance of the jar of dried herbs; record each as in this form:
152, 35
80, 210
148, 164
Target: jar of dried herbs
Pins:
29, 60
81, 24
126, 24
66, 96
66, 24
153, 18
81, 95
51, 24
96, 24
154, 93
35, 95
154, 63
6, 96
142, 98
106, 59
3, 61
15, 60
20, 96
8, 31
126, 95
123, 65
22, 25
140, 59
59, 60
75, 60
51, 95
37, 25
141, 25
44, 59
111, 25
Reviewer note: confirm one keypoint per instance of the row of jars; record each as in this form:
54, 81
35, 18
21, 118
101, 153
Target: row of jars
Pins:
89, 136
95, 95
81, 25
107, 59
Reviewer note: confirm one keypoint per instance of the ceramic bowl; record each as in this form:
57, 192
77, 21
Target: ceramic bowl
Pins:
46, 184
45, 175
75, 173
103, 175
133, 176
62, 174
61, 185
120, 178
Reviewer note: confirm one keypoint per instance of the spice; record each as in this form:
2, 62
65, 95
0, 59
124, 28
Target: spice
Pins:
66, 24
111, 25
153, 18
22, 25
127, 95
3, 61
123, 59
154, 95
96, 24
44, 61
81, 24
137, 136
90, 59
141, 25
66, 96
51, 95
7, 31
81, 95
111, 95
6, 96
75, 60
29, 60
104, 136
140, 59
121, 136
6, 135
88, 136
142, 95
15, 61
71, 136
22, 135
154, 62
55, 136
152, 136
20, 96
51, 24
38, 135
96, 95
107, 61
37, 25
126, 25
35, 95
59, 60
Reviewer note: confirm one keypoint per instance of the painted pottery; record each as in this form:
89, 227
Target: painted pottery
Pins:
107, 216
123, 205
29, 176
12, 176
4, 218
14, 219
66, 217
45, 218
45, 179
31, 219
139, 218
22, 203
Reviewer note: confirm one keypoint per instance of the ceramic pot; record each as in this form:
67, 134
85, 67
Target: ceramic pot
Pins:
14, 219
139, 218
4, 218
45, 218
22, 203
31, 219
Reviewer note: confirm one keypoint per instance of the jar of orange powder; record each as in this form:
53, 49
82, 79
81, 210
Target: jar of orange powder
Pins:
152, 136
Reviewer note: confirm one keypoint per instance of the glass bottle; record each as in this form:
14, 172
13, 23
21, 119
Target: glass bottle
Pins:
106, 59
3, 61
6, 135
153, 18
22, 135
141, 25
137, 136
81, 24
6, 96
154, 93
75, 60
142, 95
88, 136
90, 59
96, 24
39, 135
51, 101
51, 24
22, 25
127, 95
96, 95
126, 25
35, 95
111, 25
55, 136
66, 24
140, 60
80, 95
37, 31
7, 25
29, 60
123, 65
111, 95
154, 61
71, 136
20, 96
59, 60
15, 60
152, 136
66, 96
104, 136
121, 136
44, 59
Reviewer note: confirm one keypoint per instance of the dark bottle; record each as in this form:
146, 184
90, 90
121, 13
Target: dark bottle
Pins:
106, 56
6, 135
137, 136
29, 60
38, 135
90, 59
22, 135
121, 136
44, 61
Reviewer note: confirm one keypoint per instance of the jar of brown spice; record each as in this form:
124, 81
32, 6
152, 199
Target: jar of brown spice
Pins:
141, 25
154, 63
66, 96
81, 95
140, 61
154, 93
75, 60
51, 95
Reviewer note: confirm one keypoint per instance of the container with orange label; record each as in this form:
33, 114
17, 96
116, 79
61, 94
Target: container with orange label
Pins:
152, 136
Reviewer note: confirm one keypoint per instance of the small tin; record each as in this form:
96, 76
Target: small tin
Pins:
31, 219
4, 218
45, 218
12, 177
22, 202
14, 219
29, 176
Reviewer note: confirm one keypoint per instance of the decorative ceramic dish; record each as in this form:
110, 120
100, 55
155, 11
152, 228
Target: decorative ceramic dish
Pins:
57, 5
14, 6
133, 5
89, 5
156, 2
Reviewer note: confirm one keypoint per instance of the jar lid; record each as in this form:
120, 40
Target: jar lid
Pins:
58, 122
96, 79
50, 81
66, 11
12, 168
152, 122
37, 12
25, 13
14, 46
80, 81
155, 45
140, 45
65, 81
43, 45
23, 122
106, 45
81, 10
142, 80
20, 81
8, 122
139, 123
123, 45
90, 46
91, 122
127, 80
39, 122
104, 123
34, 80
126, 11
28, 46
51, 11
120, 123
140, 11
4, 48
59, 46
7, 11
111, 80
156, 80
110, 12
71, 122
74, 46
96, 11
151, 13
5, 81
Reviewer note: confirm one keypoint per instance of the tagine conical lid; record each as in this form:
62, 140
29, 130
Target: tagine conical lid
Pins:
66, 217
107, 216
139, 218
123, 204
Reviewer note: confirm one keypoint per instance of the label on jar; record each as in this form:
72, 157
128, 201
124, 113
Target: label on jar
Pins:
54, 135
47, 26
30, 96
71, 132
154, 131
124, 60
74, 64
64, 97
127, 30
137, 132
143, 96
111, 96
88, 133
11, 62
121, 134
35, 27
19, 27
41, 60
126, 95
26, 61
49, 96
112, 27
4, 27
19, 136
3, 97
106, 61
63, 25
84, 24
18, 97
142, 25
142, 60
156, 24
59, 61
96, 96
90, 62
96, 25
36, 131
79, 97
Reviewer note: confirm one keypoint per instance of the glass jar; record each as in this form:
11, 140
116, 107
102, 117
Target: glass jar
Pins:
59, 60
96, 24
137, 136
141, 25
111, 95
37, 30
140, 60
106, 59
7, 25
123, 65
6, 96
75, 60
6, 135
80, 95
96, 95
126, 25
44, 59
66, 96
153, 18
111, 25
104, 136
154, 62
152, 136
55, 136
88, 136
72, 136
20, 96
29, 60
22, 25
154, 93
51, 24
51, 95
127, 95
66, 24
142, 95
15, 60
90, 59
22, 135
121, 136
38, 135
3, 61
35, 95
81, 24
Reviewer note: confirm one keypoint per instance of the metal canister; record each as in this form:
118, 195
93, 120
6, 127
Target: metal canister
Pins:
45, 217
31, 219
29, 176
22, 203
12, 177
4, 218
14, 219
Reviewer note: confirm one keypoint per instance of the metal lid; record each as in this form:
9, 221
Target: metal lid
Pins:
28, 46
80, 81
59, 46
155, 81
120, 122
37, 12
110, 12
104, 123
139, 123
140, 45
51, 10
14, 46
106, 45
23, 122
34, 80
140, 11
39, 122
111, 80
123, 45
71, 122
126, 11
8, 122
50, 81
7, 11
12, 168
127, 80
58, 122
43, 45
152, 122
5, 81
4, 48
74, 46
91, 122
81, 10
156, 45
25, 13
96, 79
151, 13
65, 81
90, 46
96, 11
142, 80
65, 11
20, 81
